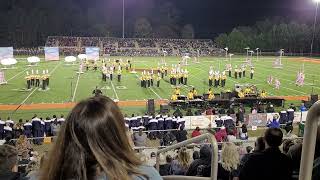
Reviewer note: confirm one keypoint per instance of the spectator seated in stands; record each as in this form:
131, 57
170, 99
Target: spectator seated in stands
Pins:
34, 173
274, 123
303, 107
93, 144
181, 134
270, 108
230, 137
259, 146
269, 164
295, 152
221, 134
23, 145
228, 167
9, 163
204, 161
140, 138
195, 155
180, 164
196, 132
168, 139
165, 164
243, 133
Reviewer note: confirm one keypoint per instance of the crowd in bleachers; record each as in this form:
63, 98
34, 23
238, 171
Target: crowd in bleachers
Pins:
92, 145
137, 46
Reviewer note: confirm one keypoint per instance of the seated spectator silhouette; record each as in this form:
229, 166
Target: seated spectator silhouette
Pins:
180, 165
295, 152
196, 132
269, 164
92, 144
165, 164
204, 160
9, 163
140, 138
181, 134
228, 167
259, 147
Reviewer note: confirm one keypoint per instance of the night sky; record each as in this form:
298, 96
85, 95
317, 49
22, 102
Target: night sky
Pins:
209, 17
217, 16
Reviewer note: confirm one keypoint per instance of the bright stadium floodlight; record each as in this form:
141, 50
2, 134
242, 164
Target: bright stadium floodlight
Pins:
314, 26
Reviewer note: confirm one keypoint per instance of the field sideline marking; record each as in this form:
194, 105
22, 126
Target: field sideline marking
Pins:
75, 89
114, 90
18, 74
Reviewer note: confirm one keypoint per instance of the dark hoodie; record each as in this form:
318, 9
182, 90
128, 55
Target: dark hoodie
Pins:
11, 176
204, 160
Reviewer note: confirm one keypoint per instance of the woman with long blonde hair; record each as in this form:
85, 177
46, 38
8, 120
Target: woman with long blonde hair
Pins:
92, 144
230, 160
180, 165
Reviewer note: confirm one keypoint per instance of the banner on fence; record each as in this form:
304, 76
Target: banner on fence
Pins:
92, 53
6, 52
51, 53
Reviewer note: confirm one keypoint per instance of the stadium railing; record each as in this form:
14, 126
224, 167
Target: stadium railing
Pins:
214, 158
308, 148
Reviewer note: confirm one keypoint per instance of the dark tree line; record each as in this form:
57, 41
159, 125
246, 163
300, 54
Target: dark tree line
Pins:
271, 35
27, 23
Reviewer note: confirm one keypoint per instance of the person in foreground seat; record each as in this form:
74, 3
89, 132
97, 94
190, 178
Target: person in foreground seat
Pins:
269, 164
92, 144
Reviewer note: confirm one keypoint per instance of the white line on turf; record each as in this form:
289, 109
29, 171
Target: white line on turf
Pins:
114, 90
76, 87
29, 96
18, 74
55, 68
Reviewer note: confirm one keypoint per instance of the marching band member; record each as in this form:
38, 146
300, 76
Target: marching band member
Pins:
194, 92
119, 75
211, 95
236, 72
185, 77
177, 91
263, 94
174, 97
216, 79
190, 95
223, 79
158, 80
251, 73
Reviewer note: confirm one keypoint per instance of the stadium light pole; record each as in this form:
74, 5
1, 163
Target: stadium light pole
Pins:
247, 48
257, 49
226, 49
122, 18
314, 25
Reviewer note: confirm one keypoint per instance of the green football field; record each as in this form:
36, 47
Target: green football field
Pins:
67, 86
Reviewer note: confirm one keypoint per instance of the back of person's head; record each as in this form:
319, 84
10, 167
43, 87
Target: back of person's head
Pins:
195, 155
249, 149
20, 120
230, 157
168, 159
183, 157
197, 129
259, 144
54, 116
205, 152
273, 137
8, 158
244, 128
91, 141
286, 145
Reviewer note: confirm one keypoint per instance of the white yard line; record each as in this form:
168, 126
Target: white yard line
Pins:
76, 87
37, 87
114, 90
151, 89
29, 96
55, 68
17, 74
